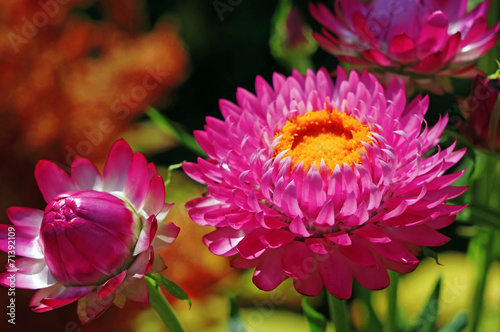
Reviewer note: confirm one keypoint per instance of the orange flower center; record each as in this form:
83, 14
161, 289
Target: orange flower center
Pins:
331, 136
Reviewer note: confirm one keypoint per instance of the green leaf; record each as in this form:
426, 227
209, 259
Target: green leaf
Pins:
235, 323
160, 304
169, 173
170, 287
457, 324
428, 317
170, 129
317, 322
428, 252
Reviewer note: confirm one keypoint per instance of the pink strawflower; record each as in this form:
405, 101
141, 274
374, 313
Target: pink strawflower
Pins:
323, 182
95, 240
415, 39
478, 112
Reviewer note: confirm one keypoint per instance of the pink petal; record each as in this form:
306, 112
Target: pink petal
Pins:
85, 174
268, 273
251, 246
146, 235
31, 273
165, 235
164, 211
476, 31
65, 295
297, 260
158, 264
239, 262
156, 196
110, 285
41, 294
372, 233
91, 307
359, 252
433, 34
277, 237
421, 235
52, 180
135, 289
298, 227
363, 31
395, 252
430, 64
402, 48
117, 165
377, 57
318, 245
142, 264
327, 215
137, 182
21, 216
224, 241
26, 243
371, 277
336, 275
342, 238
310, 285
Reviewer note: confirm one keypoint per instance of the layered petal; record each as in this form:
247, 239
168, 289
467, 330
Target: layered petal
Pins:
94, 240
416, 40
292, 212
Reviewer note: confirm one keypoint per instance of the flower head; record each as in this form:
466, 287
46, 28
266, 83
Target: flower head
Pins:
478, 111
411, 38
95, 240
324, 182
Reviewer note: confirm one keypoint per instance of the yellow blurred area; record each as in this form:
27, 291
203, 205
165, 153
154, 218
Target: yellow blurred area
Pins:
455, 295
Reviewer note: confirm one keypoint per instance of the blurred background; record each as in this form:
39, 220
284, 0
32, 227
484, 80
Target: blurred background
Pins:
75, 75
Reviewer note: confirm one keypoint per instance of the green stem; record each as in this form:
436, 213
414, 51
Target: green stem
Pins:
160, 304
338, 313
392, 296
483, 264
166, 126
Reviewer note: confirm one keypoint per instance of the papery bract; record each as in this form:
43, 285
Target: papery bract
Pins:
96, 238
413, 39
324, 182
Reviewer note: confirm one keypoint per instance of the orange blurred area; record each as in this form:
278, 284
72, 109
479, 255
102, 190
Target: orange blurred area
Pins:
71, 85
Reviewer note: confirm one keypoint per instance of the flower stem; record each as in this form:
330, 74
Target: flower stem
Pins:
483, 262
338, 313
160, 304
392, 295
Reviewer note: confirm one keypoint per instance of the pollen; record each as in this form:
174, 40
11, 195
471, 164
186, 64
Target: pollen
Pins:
331, 136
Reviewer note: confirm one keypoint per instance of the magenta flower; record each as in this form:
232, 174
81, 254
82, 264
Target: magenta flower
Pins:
95, 240
478, 111
323, 183
411, 38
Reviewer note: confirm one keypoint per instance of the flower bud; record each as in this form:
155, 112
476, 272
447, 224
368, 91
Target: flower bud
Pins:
479, 113
88, 236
